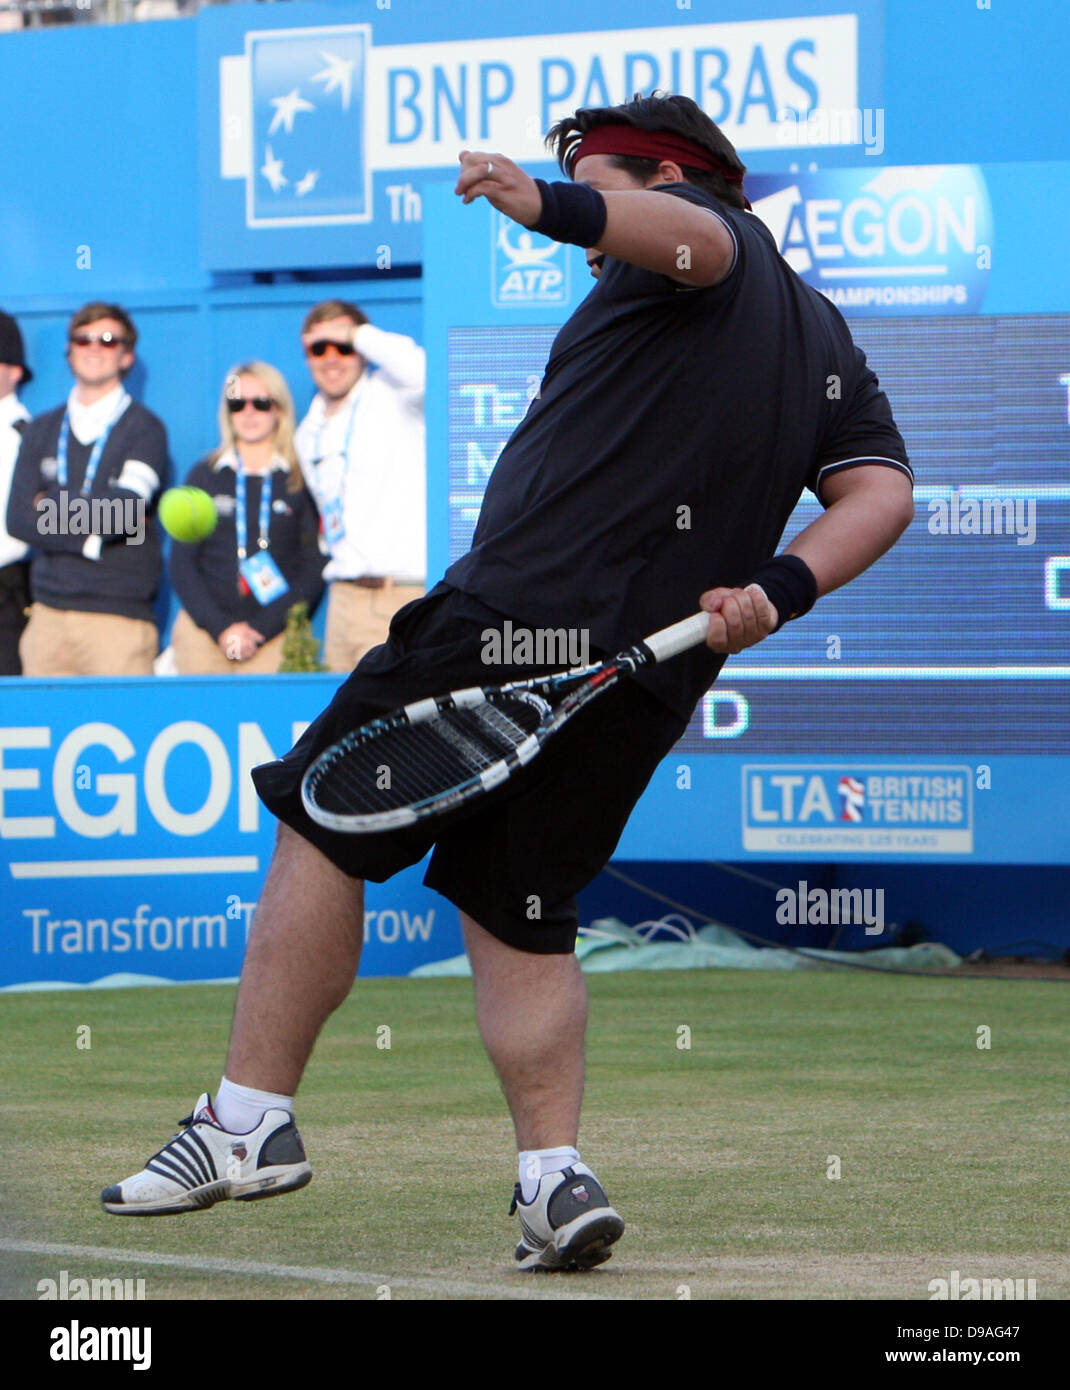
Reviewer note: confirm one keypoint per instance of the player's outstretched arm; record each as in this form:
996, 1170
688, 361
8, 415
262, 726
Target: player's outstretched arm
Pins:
654, 230
484, 174
668, 235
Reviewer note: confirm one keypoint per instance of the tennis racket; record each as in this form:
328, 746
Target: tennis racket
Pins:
434, 755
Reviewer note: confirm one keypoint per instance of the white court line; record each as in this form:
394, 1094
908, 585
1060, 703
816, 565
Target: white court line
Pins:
308, 1274
133, 868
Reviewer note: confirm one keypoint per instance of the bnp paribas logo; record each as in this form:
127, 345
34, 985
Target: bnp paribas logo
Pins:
308, 161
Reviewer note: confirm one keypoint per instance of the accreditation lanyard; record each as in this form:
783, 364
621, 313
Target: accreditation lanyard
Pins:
316, 455
94, 457
264, 521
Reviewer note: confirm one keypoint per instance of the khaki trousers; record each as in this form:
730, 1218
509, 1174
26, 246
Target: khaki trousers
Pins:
358, 618
65, 642
198, 654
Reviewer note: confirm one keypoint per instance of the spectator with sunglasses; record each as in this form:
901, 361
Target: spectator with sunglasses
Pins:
238, 584
84, 493
362, 451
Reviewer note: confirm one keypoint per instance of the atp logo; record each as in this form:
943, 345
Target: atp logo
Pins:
308, 160
526, 268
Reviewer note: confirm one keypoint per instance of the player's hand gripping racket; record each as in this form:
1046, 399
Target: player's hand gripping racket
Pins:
434, 755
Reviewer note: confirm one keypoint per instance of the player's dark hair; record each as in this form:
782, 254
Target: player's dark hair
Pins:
659, 111
333, 309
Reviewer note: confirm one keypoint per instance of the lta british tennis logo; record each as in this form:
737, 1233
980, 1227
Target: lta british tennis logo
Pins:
893, 808
308, 160
852, 798
526, 268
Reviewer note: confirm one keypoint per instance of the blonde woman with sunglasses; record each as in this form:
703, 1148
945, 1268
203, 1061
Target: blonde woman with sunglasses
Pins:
237, 585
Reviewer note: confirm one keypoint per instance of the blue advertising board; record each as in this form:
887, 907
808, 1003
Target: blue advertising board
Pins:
316, 140
919, 715
884, 241
133, 842
905, 717
181, 187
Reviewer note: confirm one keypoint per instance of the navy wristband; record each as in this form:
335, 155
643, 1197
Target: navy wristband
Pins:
571, 212
789, 585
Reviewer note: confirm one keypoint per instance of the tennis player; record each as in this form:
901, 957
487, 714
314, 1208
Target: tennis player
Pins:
688, 401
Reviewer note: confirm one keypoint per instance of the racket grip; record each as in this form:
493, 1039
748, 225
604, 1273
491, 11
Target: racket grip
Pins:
681, 637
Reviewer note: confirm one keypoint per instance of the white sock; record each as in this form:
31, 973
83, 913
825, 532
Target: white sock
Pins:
534, 1164
239, 1108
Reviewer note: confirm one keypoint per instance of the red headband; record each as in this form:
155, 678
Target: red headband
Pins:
650, 144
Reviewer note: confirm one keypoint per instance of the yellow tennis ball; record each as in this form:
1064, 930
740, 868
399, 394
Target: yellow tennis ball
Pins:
187, 513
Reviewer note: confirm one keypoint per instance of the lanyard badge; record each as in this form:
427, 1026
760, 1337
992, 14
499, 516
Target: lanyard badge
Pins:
332, 508
94, 457
258, 574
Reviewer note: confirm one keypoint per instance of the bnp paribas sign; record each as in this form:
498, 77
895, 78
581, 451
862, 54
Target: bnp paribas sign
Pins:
316, 139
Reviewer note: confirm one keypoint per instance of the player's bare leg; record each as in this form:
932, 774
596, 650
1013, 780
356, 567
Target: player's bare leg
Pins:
532, 1016
302, 957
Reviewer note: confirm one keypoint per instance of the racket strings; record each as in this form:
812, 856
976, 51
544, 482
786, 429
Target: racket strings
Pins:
412, 764
497, 729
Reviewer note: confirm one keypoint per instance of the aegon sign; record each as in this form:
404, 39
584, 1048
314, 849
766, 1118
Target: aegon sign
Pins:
76, 778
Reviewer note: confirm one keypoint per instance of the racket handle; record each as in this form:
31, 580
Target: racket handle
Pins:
681, 637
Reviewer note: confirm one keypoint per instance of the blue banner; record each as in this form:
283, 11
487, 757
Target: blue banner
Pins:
134, 843
902, 719
864, 807
884, 240
316, 140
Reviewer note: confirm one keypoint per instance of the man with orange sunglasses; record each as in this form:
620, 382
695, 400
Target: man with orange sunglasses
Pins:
362, 451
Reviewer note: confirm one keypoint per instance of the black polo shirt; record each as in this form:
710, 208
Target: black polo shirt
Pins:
674, 432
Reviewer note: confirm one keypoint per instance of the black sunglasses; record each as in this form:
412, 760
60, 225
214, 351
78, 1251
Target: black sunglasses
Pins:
236, 404
320, 346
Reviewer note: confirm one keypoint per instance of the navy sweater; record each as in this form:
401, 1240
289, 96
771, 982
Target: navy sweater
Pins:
125, 578
205, 573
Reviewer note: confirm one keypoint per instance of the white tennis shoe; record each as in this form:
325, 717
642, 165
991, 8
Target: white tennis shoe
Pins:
204, 1164
568, 1225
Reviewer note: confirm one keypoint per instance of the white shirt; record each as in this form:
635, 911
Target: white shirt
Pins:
88, 422
381, 477
11, 409
230, 458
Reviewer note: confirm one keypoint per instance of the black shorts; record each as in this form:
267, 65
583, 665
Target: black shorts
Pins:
514, 859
